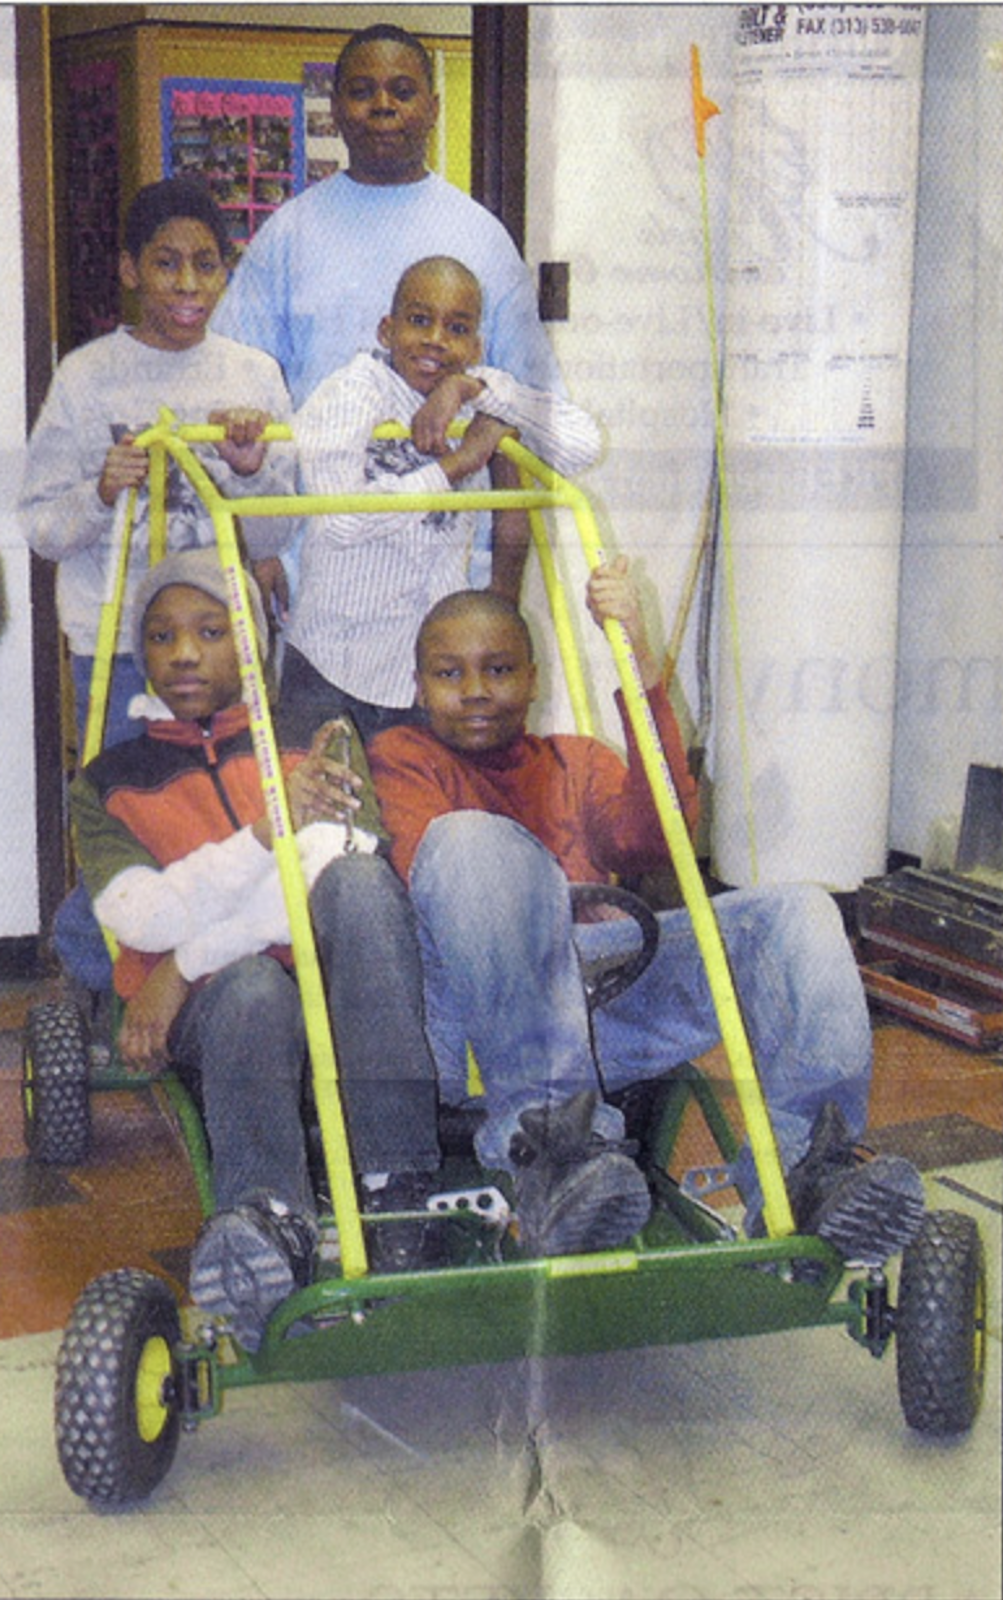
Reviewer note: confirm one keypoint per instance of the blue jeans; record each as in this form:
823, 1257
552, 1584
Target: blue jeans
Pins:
243, 1034
76, 935
501, 963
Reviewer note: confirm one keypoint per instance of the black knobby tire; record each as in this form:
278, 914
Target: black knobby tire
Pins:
55, 1090
940, 1325
117, 1416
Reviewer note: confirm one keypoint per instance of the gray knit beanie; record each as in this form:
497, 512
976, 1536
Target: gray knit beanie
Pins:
197, 569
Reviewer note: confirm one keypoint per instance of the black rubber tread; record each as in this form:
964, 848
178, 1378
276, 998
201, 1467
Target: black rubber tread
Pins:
939, 1335
101, 1451
55, 1089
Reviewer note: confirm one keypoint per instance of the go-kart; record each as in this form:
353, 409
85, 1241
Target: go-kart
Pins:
134, 1370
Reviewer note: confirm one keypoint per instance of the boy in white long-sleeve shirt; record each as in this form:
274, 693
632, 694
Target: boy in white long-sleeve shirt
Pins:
82, 458
367, 579
81, 455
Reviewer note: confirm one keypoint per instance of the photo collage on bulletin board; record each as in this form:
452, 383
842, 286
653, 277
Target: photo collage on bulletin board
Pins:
256, 144
245, 139
325, 148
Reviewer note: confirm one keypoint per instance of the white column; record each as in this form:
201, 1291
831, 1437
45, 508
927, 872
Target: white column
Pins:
824, 158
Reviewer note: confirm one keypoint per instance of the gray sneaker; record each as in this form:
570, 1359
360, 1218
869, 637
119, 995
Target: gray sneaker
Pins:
866, 1208
574, 1191
248, 1260
871, 1211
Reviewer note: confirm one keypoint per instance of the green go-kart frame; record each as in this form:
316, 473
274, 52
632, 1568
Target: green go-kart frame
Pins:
128, 1379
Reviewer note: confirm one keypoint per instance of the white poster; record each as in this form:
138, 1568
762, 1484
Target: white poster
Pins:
825, 126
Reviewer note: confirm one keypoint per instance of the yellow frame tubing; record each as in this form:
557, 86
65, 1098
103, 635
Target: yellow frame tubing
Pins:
157, 484
334, 1133
776, 1205
551, 491
563, 628
108, 625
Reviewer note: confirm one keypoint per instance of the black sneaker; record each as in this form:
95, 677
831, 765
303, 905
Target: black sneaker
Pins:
411, 1241
247, 1260
574, 1190
871, 1212
867, 1209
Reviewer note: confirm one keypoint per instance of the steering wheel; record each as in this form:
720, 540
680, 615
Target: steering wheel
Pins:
607, 976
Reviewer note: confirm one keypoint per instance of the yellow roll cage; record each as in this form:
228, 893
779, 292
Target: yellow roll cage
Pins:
541, 489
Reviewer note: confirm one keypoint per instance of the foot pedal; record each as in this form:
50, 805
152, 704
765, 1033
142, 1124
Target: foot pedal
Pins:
487, 1204
699, 1182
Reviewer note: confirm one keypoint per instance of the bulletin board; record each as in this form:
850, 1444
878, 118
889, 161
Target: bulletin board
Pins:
326, 153
245, 138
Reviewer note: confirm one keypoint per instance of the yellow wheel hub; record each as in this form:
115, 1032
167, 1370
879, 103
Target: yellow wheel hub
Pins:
152, 1376
979, 1331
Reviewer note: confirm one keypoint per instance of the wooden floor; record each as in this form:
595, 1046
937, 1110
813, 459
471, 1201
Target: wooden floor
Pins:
133, 1202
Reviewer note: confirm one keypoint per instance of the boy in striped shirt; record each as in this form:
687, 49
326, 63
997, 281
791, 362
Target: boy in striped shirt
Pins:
367, 579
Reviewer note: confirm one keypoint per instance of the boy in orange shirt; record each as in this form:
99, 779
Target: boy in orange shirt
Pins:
489, 825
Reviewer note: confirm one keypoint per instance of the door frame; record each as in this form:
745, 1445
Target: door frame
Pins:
37, 251
498, 113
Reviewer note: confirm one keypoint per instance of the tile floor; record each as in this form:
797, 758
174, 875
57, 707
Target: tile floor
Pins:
774, 1468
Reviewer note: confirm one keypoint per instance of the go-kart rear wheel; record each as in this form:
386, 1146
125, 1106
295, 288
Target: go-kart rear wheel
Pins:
940, 1325
55, 1092
117, 1415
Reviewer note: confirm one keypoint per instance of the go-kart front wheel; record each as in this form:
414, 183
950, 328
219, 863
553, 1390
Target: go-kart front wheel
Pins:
940, 1325
55, 1089
117, 1415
